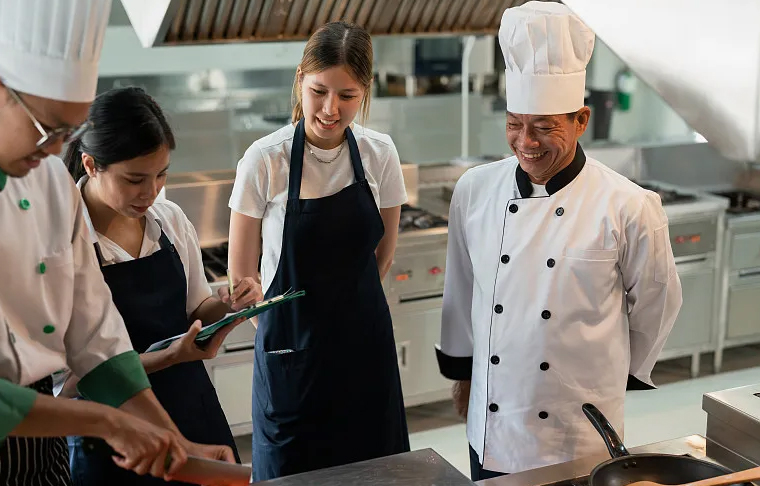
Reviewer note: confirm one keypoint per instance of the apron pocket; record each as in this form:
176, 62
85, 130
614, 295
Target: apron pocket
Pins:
290, 380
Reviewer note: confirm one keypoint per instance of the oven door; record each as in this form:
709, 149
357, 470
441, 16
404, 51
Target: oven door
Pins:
232, 376
693, 327
744, 305
417, 329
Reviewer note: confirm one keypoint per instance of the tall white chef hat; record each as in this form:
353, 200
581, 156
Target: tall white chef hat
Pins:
546, 49
51, 48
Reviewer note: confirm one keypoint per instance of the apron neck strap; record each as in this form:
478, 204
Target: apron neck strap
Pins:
297, 154
98, 253
163, 240
356, 158
3, 179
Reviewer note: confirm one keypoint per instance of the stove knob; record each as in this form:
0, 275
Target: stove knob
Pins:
404, 276
435, 271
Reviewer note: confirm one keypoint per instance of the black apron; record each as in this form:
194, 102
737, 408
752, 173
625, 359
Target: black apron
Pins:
151, 295
326, 385
40, 461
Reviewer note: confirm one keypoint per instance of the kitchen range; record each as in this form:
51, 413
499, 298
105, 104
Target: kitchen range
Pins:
739, 323
414, 289
695, 224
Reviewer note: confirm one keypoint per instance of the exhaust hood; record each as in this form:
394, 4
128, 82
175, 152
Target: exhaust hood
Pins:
701, 57
177, 22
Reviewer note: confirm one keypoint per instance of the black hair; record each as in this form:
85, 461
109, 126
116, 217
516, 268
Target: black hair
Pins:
127, 123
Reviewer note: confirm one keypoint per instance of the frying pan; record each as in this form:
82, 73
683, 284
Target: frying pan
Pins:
625, 468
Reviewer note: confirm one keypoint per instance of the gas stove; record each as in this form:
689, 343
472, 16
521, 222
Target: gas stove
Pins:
668, 196
742, 202
414, 218
215, 263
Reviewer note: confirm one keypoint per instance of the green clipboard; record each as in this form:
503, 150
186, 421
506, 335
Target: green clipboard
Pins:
208, 332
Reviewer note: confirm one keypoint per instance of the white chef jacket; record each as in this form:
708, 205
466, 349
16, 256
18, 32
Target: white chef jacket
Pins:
261, 181
55, 308
552, 302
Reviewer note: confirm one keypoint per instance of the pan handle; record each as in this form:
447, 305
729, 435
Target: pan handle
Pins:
603, 426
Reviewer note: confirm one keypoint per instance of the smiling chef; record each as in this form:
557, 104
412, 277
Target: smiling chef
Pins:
560, 279
55, 308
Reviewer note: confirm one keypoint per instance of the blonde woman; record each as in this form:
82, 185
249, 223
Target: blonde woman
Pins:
319, 201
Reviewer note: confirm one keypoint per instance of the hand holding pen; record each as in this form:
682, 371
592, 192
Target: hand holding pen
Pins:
241, 293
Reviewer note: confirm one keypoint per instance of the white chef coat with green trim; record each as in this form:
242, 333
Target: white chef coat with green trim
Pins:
55, 308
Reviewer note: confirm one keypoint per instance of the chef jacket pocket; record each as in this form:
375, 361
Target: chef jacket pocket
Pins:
588, 277
56, 272
591, 255
290, 379
60, 258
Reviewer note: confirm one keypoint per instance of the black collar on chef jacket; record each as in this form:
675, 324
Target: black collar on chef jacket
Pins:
560, 180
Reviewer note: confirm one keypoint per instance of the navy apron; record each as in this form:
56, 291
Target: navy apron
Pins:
326, 385
42, 461
151, 295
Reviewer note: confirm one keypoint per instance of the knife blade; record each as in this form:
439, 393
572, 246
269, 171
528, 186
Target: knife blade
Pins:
197, 470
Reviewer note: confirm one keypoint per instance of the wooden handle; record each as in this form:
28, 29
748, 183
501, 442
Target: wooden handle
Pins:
746, 476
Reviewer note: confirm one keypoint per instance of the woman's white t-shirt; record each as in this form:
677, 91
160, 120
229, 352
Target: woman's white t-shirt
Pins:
261, 182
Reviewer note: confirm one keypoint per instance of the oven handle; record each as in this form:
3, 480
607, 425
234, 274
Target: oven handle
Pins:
421, 298
691, 259
749, 273
239, 346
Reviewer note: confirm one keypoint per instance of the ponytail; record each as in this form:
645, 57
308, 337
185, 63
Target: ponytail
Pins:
73, 160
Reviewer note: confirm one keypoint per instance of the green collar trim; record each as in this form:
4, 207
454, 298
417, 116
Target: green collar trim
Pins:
3, 180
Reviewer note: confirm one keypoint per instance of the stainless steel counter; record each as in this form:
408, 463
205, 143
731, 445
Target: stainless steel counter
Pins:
733, 421
575, 472
418, 468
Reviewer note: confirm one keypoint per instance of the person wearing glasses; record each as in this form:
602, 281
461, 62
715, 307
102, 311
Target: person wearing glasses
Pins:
56, 310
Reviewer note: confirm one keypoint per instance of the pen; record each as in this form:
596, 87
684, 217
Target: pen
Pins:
229, 282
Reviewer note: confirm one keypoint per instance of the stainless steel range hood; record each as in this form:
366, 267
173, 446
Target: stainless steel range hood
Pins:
176, 22
702, 57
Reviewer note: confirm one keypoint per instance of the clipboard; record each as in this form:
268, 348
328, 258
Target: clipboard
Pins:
207, 332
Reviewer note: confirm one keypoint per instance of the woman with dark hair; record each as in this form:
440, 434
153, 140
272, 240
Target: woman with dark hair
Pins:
150, 257
319, 201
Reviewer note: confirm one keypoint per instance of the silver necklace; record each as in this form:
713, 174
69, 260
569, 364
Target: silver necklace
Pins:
327, 161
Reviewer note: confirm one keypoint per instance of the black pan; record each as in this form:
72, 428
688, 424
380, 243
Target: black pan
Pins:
625, 468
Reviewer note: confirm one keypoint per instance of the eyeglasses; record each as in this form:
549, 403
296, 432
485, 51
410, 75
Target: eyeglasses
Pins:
49, 137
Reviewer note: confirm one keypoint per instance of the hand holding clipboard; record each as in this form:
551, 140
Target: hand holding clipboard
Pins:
208, 332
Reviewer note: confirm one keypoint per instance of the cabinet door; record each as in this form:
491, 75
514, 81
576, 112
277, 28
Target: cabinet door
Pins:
693, 326
233, 380
745, 251
417, 329
743, 307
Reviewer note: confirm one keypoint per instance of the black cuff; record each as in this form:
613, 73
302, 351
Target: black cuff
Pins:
636, 384
454, 368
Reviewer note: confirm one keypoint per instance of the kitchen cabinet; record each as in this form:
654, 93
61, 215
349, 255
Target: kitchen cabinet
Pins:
417, 330
232, 376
